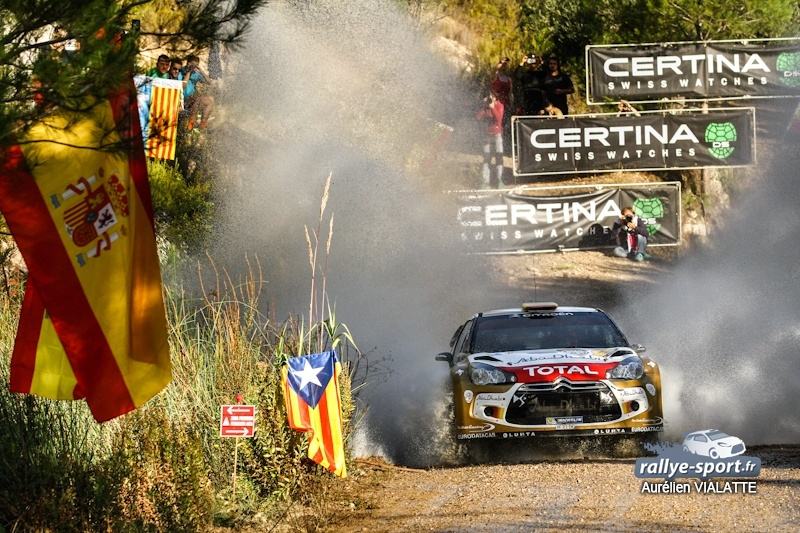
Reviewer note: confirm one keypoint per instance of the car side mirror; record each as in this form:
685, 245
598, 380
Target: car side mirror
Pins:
445, 357
638, 348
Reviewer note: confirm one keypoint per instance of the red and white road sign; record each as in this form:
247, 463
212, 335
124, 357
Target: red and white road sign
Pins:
237, 420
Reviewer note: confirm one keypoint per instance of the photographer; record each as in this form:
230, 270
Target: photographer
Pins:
502, 86
530, 84
196, 93
491, 114
630, 233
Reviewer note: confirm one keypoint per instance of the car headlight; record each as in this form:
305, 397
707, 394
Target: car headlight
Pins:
489, 375
629, 368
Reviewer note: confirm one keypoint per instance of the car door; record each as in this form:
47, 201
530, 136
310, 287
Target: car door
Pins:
703, 444
459, 372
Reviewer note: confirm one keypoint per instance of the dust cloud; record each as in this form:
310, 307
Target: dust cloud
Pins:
352, 88
725, 327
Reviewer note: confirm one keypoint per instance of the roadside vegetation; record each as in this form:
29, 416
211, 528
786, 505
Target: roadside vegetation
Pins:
164, 467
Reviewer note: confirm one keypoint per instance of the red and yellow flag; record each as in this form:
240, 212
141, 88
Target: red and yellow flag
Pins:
166, 97
313, 405
93, 323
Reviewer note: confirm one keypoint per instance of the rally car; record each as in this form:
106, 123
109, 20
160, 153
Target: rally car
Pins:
544, 369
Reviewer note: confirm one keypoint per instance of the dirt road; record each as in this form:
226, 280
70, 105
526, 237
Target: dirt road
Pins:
565, 487
557, 495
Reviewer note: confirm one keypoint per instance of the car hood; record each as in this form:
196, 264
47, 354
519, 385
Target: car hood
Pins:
526, 358
574, 364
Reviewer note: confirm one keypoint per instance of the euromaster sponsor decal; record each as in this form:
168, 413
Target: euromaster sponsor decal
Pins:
652, 141
533, 219
761, 68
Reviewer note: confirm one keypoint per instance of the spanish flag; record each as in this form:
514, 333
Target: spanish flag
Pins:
313, 405
75, 195
166, 99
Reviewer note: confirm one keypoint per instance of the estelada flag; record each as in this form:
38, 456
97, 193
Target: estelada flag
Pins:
75, 195
313, 405
166, 98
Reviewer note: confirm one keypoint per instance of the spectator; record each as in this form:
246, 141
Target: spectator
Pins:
161, 70
557, 85
625, 108
630, 233
551, 110
175, 69
530, 79
195, 93
492, 115
502, 86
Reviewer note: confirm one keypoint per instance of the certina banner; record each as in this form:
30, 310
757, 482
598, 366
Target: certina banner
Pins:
652, 141
513, 221
693, 70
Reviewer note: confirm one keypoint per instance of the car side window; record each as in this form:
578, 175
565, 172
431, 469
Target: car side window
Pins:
462, 341
701, 438
456, 336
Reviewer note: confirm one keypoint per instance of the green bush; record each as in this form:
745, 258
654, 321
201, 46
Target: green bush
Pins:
183, 211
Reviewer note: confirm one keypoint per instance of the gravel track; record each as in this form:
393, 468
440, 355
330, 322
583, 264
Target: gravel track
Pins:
556, 495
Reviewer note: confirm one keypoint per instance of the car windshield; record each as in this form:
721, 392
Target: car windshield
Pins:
716, 435
546, 331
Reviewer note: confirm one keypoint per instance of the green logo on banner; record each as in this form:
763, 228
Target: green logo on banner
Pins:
720, 137
649, 210
788, 67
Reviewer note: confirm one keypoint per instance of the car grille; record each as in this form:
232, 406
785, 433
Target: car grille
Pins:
534, 402
739, 448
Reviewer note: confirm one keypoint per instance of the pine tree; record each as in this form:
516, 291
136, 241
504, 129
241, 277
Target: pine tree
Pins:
66, 55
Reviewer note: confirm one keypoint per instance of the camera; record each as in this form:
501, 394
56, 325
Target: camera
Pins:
531, 60
629, 218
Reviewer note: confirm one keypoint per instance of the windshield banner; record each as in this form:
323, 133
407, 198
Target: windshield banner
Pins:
761, 68
648, 141
561, 219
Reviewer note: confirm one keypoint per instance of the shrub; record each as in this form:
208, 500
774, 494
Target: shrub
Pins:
183, 211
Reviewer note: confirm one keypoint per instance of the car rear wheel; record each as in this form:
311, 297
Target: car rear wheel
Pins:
714, 454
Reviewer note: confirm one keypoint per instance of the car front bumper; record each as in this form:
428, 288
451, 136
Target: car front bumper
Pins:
561, 408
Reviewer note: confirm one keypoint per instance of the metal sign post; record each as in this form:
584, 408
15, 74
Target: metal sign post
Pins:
237, 421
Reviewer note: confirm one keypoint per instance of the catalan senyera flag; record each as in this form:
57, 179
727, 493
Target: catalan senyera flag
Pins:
93, 322
166, 99
313, 405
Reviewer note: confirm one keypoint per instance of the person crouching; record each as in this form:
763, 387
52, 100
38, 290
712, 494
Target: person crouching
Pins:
630, 232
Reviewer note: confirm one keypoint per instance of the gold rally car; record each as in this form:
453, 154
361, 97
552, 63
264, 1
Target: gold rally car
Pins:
544, 369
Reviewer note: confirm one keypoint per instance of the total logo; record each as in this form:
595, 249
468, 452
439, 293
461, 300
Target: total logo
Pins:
581, 370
